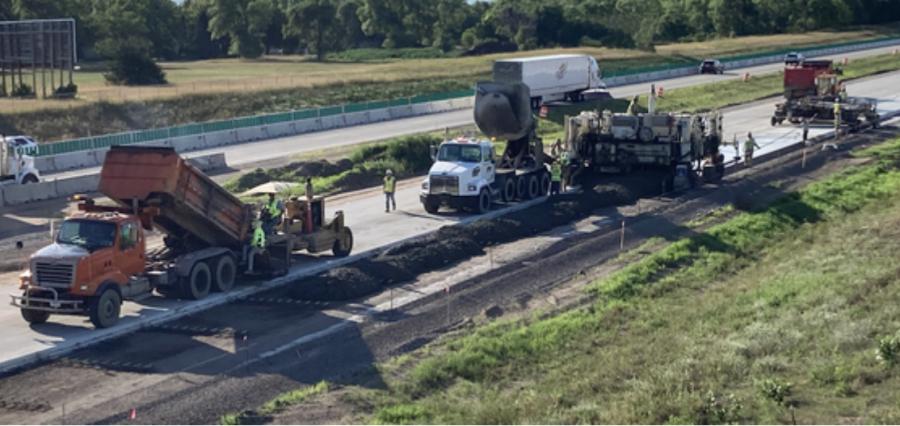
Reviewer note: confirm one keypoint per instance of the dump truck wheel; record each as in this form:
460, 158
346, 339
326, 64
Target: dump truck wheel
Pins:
198, 283
34, 316
534, 187
484, 201
343, 244
104, 310
226, 272
509, 190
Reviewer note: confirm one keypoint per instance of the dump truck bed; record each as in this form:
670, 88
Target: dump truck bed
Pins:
191, 205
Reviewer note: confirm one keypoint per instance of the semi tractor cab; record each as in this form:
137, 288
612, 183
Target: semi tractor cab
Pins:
15, 166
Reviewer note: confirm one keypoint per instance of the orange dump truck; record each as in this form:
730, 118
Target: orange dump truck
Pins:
99, 256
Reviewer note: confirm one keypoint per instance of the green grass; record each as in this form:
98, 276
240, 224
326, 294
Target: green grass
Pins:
770, 313
276, 405
227, 88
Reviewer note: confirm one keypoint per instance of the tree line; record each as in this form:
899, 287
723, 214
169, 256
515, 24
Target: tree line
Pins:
197, 29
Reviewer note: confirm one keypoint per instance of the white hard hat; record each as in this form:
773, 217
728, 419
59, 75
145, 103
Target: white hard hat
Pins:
389, 172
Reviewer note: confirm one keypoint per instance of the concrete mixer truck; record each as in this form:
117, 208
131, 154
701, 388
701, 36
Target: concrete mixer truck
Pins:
467, 174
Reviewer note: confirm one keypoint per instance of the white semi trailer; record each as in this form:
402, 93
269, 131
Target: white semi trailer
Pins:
551, 78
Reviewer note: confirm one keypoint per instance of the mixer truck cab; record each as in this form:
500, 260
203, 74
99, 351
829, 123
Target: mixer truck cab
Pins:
461, 177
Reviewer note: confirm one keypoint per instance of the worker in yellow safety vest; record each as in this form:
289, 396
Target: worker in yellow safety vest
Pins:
749, 146
555, 177
272, 212
257, 244
837, 117
390, 186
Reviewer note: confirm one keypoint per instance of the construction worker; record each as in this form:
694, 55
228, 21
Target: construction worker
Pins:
257, 244
555, 177
842, 95
390, 186
749, 145
805, 131
632, 106
737, 149
272, 212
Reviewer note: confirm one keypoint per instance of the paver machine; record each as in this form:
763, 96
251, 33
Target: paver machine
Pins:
686, 145
812, 87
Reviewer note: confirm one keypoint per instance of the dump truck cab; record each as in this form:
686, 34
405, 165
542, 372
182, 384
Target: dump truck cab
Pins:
92, 255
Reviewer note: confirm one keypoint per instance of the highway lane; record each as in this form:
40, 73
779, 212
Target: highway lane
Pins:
255, 152
373, 227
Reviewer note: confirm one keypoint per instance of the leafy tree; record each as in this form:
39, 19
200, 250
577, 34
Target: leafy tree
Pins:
314, 22
132, 66
402, 23
244, 22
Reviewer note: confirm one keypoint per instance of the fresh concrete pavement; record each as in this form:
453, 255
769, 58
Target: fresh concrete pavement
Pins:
372, 228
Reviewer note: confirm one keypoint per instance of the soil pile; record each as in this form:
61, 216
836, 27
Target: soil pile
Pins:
452, 244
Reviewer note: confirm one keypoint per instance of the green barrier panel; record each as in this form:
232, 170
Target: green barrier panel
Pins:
150, 135
325, 112
358, 107
186, 130
304, 114
276, 118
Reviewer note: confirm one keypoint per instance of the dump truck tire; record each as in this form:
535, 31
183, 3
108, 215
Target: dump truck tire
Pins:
343, 244
198, 283
104, 310
35, 316
226, 272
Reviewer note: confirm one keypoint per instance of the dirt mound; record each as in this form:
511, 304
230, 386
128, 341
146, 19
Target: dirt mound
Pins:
300, 170
452, 244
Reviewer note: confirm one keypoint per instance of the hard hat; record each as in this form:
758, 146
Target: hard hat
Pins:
389, 172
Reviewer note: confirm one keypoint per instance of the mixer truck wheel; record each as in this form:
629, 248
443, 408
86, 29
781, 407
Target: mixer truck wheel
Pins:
34, 316
226, 271
545, 183
484, 201
104, 310
509, 190
534, 186
431, 207
521, 187
198, 283
29, 178
343, 244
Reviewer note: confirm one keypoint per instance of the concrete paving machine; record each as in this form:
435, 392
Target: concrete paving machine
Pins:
466, 173
811, 88
684, 144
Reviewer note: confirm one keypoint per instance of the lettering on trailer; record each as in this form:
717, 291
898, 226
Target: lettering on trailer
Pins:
561, 72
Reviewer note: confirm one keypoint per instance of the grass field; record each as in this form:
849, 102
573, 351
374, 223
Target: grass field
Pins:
227, 79
785, 314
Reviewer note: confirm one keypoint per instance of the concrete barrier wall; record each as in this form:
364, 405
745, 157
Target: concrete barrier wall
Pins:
11, 195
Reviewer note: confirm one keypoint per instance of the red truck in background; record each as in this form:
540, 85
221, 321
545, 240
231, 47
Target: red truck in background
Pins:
99, 256
811, 89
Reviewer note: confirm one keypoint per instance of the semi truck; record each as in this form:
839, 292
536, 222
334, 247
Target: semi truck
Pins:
811, 88
551, 78
100, 256
686, 145
15, 166
467, 174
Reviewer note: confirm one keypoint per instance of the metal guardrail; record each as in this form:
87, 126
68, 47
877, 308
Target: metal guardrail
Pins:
150, 135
